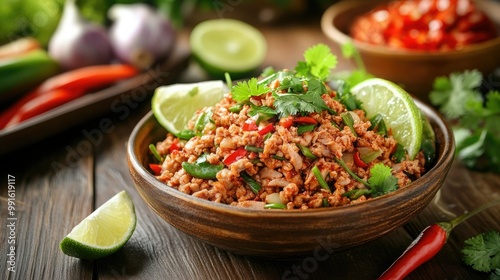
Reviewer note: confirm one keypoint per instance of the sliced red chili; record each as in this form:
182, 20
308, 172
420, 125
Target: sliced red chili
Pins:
358, 161
286, 122
305, 120
250, 125
174, 146
234, 156
42, 104
266, 129
156, 168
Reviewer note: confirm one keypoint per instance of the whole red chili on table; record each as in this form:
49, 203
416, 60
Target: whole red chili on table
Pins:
426, 245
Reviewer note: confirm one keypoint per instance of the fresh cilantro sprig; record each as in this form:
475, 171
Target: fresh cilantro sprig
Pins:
294, 103
243, 90
381, 181
318, 62
474, 117
482, 252
299, 91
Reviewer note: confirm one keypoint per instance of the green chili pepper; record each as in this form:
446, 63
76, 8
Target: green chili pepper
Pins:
202, 168
306, 152
186, 134
320, 178
254, 186
236, 108
301, 129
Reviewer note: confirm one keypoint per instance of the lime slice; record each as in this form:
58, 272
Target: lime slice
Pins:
104, 231
397, 108
228, 45
174, 105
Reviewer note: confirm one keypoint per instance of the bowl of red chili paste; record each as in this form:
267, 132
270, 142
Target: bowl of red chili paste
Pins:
412, 42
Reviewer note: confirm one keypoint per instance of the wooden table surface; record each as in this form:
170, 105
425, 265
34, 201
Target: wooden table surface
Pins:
62, 179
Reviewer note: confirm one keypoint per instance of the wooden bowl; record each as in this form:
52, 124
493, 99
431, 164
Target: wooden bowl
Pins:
285, 233
414, 70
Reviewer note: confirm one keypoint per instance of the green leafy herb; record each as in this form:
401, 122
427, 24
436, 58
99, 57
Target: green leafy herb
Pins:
482, 252
360, 74
400, 153
474, 117
381, 180
242, 91
318, 62
264, 112
454, 92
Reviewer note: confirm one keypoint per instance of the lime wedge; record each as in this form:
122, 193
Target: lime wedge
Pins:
104, 231
399, 111
227, 45
174, 105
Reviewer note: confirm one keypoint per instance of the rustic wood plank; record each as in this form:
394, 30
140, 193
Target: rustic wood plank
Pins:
49, 202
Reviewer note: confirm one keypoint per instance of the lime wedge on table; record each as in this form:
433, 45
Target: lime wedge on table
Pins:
104, 231
399, 111
227, 45
174, 105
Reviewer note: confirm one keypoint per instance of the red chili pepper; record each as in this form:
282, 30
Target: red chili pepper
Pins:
43, 103
286, 122
89, 77
426, 245
156, 168
236, 155
174, 146
358, 161
305, 120
250, 125
266, 129
78, 81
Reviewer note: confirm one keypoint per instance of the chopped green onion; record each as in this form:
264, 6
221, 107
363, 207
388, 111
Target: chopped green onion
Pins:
275, 206
229, 81
320, 178
349, 121
278, 157
306, 152
254, 186
155, 152
356, 193
254, 149
325, 202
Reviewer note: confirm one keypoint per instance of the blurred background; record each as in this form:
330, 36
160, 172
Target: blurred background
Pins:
39, 18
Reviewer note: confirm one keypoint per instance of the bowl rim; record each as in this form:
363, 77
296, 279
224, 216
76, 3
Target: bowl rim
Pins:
442, 162
331, 31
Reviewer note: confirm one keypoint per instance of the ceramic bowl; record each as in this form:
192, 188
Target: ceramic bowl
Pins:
414, 70
285, 233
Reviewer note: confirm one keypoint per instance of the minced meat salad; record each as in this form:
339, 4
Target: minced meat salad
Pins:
287, 140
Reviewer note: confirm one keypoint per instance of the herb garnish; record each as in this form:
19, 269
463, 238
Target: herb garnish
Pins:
474, 117
299, 92
482, 252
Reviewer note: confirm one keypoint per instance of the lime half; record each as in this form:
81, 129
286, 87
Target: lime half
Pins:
174, 105
227, 45
104, 231
399, 111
